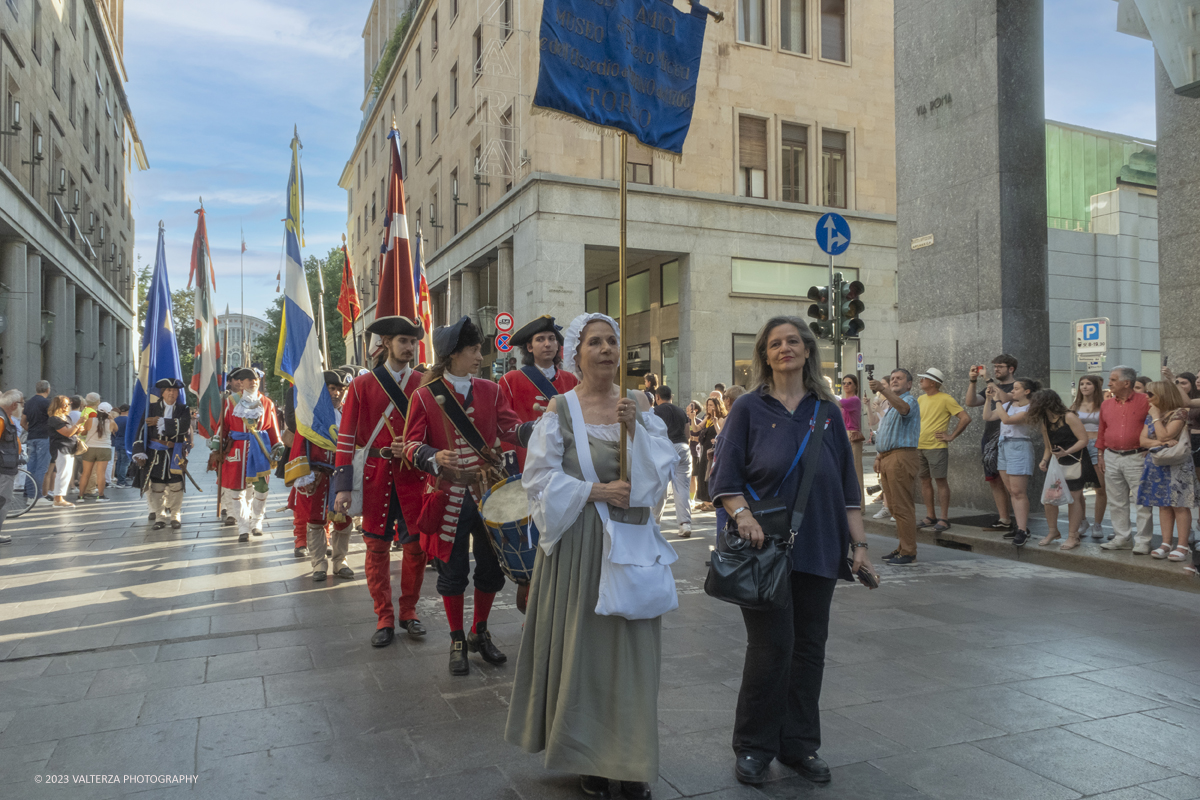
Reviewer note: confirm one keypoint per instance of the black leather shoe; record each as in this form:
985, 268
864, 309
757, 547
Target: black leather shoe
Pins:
230, 522
413, 626
481, 643
300, 552
319, 575
458, 654
257, 531
329, 552
243, 537
382, 637
749, 769
158, 526
594, 786
151, 518
176, 524
635, 790
345, 572
811, 766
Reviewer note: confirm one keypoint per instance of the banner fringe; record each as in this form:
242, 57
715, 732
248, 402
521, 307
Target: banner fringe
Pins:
602, 130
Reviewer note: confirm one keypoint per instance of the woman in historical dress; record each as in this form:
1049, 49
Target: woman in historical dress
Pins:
586, 686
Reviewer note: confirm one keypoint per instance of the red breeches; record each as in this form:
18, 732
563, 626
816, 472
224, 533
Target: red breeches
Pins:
379, 579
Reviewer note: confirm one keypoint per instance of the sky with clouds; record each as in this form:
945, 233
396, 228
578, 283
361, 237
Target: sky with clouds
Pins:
217, 86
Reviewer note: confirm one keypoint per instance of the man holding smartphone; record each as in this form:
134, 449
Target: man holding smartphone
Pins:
1004, 370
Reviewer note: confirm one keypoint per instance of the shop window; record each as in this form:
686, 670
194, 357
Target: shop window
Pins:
670, 367
612, 302
743, 359
591, 301
781, 278
669, 283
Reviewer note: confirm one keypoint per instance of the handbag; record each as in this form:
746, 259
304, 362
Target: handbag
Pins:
1072, 470
80, 447
360, 464
1176, 454
759, 579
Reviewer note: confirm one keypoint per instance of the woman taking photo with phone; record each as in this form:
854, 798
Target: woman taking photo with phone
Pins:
1015, 460
764, 438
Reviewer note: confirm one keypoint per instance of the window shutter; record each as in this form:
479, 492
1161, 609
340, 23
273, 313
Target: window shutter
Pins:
752, 143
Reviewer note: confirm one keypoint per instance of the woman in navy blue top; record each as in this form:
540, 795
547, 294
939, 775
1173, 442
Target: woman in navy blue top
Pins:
777, 714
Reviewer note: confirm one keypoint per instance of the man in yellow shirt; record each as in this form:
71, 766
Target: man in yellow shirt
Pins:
937, 407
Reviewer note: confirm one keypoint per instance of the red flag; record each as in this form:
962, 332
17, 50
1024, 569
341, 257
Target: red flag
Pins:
348, 305
397, 294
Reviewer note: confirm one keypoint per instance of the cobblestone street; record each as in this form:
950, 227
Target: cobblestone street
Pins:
128, 651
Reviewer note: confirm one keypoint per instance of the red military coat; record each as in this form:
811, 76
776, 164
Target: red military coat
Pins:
528, 402
362, 407
233, 468
497, 423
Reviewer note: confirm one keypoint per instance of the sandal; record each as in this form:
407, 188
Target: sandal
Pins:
1071, 543
1180, 553
928, 522
1160, 551
1052, 536
942, 525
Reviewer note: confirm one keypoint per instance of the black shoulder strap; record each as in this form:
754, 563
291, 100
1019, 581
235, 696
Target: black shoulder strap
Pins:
539, 381
809, 465
457, 415
393, 389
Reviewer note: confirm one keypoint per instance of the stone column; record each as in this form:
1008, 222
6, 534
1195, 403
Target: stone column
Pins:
504, 277
971, 171
454, 303
1178, 120
33, 283
20, 310
60, 301
469, 293
106, 357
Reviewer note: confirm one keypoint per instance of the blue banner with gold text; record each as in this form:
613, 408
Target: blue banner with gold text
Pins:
625, 64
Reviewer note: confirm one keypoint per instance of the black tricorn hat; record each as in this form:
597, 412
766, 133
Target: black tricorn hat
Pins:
397, 326
335, 377
242, 374
449, 338
169, 383
542, 324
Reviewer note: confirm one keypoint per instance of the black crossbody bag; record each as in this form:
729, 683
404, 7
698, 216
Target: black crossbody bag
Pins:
759, 579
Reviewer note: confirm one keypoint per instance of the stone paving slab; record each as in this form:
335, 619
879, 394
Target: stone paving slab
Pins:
125, 650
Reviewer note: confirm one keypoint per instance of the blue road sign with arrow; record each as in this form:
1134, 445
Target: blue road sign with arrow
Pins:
833, 234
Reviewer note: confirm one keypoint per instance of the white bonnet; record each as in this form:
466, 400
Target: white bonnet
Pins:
575, 330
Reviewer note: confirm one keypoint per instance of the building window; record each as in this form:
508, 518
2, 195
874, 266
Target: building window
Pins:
743, 357
107, 165
669, 283
454, 87
670, 367
637, 293
71, 94
433, 35
417, 67
638, 165
477, 52
453, 10
833, 30
752, 157
454, 200
37, 30
793, 26
591, 301
404, 158
374, 146
506, 18
74, 14
87, 43
86, 120
97, 164
509, 141
780, 278
433, 122
55, 68
612, 299
833, 169
372, 206
404, 89
752, 23
417, 141
793, 162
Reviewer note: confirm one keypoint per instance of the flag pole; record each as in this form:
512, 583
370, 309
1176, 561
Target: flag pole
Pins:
621, 256
242, 281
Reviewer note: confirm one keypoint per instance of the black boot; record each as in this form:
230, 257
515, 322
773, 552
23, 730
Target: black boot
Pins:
243, 537
458, 654
481, 642
151, 518
382, 637
594, 786
413, 626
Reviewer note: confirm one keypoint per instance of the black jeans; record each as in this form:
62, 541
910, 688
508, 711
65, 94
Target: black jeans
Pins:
471, 536
777, 710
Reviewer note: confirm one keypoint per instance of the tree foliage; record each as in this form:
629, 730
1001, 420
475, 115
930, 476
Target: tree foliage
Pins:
392, 49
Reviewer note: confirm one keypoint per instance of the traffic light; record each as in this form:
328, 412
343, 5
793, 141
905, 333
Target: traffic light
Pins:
819, 311
849, 307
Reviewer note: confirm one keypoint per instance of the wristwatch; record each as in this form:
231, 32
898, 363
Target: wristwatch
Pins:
863, 545
733, 514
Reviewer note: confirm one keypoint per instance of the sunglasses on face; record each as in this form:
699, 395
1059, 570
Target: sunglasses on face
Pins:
1149, 394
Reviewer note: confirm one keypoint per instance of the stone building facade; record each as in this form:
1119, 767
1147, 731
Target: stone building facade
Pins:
237, 335
67, 147
793, 117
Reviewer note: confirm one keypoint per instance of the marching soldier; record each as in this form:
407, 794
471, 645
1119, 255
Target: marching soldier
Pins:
308, 473
373, 418
161, 454
229, 397
530, 388
455, 429
250, 435
258, 491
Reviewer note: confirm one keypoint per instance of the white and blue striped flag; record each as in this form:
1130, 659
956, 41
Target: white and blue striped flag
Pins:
298, 357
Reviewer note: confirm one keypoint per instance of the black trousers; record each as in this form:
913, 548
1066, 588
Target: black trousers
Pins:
777, 710
453, 574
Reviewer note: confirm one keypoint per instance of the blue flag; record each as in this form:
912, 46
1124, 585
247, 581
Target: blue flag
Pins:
159, 357
630, 65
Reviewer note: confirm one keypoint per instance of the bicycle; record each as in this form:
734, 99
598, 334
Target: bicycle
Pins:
23, 484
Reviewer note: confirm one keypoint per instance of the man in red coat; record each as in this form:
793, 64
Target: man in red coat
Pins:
308, 471
530, 388
373, 417
455, 429
251, 434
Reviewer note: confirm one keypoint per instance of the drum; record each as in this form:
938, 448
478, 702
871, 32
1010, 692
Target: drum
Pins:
505, 513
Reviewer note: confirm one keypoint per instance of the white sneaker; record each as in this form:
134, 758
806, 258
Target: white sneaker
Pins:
1083, 529
1098, 532
882, 513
